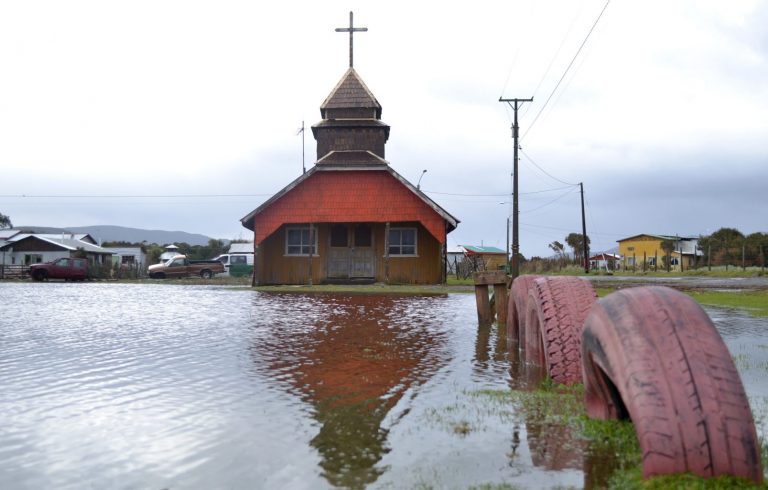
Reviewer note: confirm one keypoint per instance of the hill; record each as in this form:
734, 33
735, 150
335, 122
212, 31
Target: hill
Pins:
109, 233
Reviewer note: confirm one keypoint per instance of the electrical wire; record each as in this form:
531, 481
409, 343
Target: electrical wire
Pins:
545, 172
550, 202
530, 126
552, 61
127, 196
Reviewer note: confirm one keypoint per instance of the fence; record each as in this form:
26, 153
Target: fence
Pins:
14, 271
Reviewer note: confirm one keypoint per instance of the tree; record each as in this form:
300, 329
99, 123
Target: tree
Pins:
559, 250
576, 242
5, 221
723, 243
668, 246
757, 246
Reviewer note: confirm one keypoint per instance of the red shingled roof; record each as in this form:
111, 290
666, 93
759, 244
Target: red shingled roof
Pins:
342, 196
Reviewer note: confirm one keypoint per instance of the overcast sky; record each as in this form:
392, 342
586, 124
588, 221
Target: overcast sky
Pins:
663, 115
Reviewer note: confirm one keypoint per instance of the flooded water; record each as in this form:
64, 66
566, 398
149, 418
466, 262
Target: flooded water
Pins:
164, 386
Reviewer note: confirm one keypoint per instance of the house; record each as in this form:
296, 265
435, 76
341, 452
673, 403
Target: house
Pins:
351, 216
645, 251
454, 257
490, 258
605, 261
23, 248
128, 257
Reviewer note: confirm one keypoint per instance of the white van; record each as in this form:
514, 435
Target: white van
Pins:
236, 265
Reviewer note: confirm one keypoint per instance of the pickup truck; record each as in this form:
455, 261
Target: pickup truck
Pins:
181, 266
69, 269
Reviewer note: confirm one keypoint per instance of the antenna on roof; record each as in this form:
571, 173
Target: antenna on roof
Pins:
301, 132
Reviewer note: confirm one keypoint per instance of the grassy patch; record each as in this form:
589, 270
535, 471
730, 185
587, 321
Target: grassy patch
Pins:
754, 302
609, 449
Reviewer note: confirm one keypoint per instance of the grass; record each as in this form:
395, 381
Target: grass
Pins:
612, 444
703, 271
754, 302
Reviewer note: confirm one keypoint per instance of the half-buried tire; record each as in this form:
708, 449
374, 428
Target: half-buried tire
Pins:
652, 354
555, 313
516, 307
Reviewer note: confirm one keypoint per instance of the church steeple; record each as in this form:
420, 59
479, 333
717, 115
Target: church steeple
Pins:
351, 115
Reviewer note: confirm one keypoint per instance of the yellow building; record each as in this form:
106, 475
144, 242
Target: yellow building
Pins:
644, 252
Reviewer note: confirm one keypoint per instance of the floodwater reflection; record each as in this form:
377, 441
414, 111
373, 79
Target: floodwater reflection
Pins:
352, 361
176, 386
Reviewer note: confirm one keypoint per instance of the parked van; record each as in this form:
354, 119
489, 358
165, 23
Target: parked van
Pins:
236, 265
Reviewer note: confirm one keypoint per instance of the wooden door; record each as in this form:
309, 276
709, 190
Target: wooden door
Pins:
362, 256
339, 252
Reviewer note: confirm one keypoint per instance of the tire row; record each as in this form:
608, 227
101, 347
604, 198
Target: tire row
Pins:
648, 354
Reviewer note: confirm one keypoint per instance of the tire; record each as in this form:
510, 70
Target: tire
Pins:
652, 354
516, 307
157, 275
555, 313
206, 274
41, 275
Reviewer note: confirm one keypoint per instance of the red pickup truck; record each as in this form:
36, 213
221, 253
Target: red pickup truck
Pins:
69, 269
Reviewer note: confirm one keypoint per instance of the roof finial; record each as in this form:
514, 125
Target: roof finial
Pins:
351, 30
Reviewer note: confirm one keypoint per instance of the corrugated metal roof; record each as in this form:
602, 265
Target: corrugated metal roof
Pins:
483, 249
66, 241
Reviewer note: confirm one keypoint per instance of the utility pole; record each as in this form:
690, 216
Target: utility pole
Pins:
584, 231
515, 104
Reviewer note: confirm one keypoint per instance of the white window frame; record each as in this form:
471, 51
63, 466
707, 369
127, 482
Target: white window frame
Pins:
312, 247
400, 245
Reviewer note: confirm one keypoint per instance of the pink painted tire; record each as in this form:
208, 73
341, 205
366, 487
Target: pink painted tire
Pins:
518, 301
555, 313
652, 354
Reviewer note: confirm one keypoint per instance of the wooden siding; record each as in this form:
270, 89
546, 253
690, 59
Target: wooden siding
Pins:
333, 138
274, 267
33, 244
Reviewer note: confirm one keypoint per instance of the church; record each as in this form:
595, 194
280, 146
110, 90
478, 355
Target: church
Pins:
350, 218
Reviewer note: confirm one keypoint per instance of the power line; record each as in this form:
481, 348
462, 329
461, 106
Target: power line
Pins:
544, 171
494, 195
530, 126
126, 196
552, 201
552, 61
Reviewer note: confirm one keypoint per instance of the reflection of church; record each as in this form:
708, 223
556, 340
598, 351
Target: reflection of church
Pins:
352, 364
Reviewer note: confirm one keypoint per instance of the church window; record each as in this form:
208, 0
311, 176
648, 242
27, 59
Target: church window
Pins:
299, 241
402, 241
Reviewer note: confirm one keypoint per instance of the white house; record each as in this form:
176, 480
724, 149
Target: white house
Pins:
128, 257
21, 248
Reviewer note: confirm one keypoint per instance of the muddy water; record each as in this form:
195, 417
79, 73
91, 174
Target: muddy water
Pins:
158, 386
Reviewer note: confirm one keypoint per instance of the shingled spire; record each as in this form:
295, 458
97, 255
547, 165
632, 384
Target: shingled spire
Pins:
351, 122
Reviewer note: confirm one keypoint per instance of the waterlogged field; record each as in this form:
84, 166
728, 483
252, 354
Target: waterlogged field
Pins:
180, 386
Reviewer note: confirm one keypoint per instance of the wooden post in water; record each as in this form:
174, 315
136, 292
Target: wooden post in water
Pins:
485, 314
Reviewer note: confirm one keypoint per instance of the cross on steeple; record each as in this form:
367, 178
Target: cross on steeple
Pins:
351, 30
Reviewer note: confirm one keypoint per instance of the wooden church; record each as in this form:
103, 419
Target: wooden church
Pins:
350, 217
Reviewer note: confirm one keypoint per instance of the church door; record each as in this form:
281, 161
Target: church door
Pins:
362, 252
351, 252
